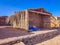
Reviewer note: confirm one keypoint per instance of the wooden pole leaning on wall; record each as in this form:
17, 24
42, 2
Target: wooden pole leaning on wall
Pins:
23, 17
21, 20
26, 20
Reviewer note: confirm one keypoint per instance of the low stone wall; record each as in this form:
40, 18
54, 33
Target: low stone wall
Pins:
35, 39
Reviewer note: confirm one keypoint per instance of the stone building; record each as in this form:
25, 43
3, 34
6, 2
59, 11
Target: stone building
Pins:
53, 22
58, 21
3, 20
37, 17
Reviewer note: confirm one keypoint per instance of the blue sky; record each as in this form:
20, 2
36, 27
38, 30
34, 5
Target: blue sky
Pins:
7, 7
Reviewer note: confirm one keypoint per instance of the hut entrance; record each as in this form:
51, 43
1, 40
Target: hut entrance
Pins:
35, 21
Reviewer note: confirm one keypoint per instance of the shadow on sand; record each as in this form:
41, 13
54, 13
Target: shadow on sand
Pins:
7, 32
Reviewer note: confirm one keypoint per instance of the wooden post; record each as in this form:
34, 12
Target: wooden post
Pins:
26, 20
21, 20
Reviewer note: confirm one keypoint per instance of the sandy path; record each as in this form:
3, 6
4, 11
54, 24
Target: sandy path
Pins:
6, 40
53, 41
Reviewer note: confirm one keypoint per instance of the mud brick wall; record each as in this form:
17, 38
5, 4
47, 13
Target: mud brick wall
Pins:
46, 21
39, 20
53, 22
3, 20
35, 19
20, 20
58, 19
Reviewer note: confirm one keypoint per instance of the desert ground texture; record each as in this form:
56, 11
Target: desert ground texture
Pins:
10, 36
53, 41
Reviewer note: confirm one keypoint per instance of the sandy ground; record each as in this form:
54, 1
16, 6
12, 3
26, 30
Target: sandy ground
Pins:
53, 41
8, 34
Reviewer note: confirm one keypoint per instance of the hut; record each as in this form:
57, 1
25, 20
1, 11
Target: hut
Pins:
58, 22
36, 17
53, 22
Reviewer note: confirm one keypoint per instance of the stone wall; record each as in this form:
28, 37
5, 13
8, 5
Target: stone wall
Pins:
58, 21
35, 19
39, 20
3, 20
20, 20
53, 22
